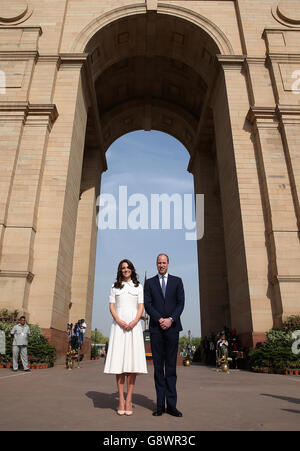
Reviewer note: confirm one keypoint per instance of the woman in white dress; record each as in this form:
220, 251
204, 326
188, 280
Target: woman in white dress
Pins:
126, 350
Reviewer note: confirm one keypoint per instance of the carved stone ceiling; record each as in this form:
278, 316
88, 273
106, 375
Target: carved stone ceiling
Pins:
152, 71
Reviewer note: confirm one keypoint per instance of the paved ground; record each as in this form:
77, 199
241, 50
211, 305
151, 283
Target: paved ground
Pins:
85, 399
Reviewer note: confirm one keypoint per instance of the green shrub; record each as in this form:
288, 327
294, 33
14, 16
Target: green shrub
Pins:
292, 323
276, 352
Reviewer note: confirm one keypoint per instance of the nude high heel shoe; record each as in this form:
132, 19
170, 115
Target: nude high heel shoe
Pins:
129, 412
121, 412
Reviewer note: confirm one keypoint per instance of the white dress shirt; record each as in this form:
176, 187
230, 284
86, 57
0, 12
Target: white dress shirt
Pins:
20, 334
166, 278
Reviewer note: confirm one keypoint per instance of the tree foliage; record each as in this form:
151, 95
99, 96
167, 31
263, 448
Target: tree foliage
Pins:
98, 337
184, 339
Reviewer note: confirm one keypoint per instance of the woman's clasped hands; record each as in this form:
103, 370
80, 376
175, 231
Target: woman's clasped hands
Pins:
126, 326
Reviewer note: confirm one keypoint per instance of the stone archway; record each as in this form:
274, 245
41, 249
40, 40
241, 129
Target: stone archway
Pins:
202, 73
139, 83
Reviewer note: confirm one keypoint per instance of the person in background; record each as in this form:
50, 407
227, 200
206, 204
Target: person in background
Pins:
222, 344
82, 331
20, 333
75, 340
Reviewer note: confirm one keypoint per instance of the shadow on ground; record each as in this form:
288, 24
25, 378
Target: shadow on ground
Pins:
284, 398
110, 400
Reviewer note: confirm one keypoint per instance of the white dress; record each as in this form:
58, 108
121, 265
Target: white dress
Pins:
126, 349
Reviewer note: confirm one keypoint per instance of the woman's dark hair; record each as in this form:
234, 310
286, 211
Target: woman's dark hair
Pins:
134, 276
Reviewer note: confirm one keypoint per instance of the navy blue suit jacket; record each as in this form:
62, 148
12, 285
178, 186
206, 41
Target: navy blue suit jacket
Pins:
159, 307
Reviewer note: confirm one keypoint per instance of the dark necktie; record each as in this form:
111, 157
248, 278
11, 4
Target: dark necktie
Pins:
163, 285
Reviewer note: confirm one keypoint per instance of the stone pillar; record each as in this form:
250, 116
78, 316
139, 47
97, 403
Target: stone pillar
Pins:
12, 118
281, 164
25, 124
214, 302
244, 223
281, 224
288, 276
21, 219
82, 290
50, 293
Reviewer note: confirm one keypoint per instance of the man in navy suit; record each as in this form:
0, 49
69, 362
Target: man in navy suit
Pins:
164, 302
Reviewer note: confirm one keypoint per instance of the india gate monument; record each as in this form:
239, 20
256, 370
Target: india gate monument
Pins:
221, 76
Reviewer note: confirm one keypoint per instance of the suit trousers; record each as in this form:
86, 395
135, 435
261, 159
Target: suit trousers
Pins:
22, 351
164, 347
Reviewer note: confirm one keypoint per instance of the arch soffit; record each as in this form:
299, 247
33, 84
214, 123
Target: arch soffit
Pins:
202, 22
164, 117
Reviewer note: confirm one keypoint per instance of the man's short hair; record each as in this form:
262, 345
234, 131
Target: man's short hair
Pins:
164, 255
21, 317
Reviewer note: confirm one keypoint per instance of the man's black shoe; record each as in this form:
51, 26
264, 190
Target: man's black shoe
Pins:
28, 370
14, 370
173, 411
158, 412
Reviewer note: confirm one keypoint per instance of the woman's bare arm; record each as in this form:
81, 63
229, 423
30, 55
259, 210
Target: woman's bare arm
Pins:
134, 322
119, 321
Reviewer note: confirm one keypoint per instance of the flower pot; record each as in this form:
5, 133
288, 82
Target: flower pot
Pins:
7, 365
296, 372
1, 365
291, 372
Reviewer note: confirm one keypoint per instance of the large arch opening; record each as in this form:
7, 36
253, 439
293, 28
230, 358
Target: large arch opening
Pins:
142, 167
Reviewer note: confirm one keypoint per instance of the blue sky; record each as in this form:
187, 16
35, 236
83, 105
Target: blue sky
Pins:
146, 163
